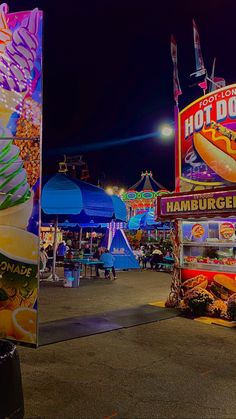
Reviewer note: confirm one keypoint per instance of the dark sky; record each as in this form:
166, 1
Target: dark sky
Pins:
108, 75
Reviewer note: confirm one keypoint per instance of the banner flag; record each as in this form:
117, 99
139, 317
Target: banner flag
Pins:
219, 82
176, 84
215, 82
203, 85
200, 68
212, 86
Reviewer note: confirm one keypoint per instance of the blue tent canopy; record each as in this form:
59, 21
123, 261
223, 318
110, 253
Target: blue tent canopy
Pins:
122, 252
79, 202
120, 211
134, 222
146, 221
61, 195
75, 227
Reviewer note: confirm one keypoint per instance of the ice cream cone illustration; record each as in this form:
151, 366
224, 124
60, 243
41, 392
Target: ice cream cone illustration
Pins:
5, 32
16, 63
16, 200
9, 102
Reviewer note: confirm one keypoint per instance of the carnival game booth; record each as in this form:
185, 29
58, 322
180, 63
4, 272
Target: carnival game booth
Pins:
204, 207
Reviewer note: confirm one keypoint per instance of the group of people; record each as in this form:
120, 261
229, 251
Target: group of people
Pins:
152, 255
64, 250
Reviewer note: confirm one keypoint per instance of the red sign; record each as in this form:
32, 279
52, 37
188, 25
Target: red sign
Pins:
187, 274
206, 142
227, 230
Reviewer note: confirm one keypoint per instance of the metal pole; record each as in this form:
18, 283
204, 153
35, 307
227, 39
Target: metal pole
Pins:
91, 241
80, 237
54, 276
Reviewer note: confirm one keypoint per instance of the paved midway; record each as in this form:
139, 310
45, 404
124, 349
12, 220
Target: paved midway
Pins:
174, 368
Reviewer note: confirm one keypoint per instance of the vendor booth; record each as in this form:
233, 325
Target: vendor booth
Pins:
204, 207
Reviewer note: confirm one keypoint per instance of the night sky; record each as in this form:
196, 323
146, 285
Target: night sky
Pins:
108, 76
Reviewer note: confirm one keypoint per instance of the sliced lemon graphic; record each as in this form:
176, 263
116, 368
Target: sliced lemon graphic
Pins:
24, 324
6, 323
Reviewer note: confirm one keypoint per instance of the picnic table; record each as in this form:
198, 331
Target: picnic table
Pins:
166, 264
86, 262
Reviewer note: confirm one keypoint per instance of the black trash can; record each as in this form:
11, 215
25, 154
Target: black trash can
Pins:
11, 391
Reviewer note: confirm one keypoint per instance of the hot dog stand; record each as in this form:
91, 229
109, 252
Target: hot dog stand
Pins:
204, 207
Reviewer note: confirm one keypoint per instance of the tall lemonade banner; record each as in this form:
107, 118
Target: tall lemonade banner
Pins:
20, 151
206, 151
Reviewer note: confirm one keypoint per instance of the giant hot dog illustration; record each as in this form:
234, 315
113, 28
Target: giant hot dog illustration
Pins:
217, 147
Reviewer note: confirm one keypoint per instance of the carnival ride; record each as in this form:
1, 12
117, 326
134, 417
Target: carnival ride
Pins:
140, 202
142, 195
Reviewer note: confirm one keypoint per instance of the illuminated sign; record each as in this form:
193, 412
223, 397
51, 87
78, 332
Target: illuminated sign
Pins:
133, 195
213, 202
206, 150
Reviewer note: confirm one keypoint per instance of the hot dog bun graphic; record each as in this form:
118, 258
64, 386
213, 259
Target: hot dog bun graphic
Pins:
197, 281
217, 147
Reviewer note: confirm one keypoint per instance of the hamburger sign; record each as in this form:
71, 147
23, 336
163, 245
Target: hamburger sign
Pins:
206, 151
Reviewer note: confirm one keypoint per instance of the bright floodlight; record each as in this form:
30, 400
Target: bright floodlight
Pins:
109, 190
166, 131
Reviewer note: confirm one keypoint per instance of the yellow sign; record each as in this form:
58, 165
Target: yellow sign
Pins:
209, 202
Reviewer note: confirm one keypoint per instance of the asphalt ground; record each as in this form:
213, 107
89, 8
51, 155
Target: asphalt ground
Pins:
175, 368
130, 289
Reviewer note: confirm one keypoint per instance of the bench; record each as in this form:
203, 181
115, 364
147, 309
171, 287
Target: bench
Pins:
165, 267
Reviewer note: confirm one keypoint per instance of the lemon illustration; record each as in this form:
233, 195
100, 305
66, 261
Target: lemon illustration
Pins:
24, 324
6, 324
18, 268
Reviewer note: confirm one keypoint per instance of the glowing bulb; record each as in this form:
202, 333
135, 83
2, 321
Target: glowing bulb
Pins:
167, 131
109, 190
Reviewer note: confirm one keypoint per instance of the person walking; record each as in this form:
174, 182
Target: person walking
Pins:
108, 264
